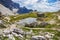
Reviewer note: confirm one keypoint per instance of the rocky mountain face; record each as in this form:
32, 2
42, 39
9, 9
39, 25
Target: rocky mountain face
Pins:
5, 11
12, 5
7, 3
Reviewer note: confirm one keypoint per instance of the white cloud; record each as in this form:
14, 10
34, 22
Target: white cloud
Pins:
43, 5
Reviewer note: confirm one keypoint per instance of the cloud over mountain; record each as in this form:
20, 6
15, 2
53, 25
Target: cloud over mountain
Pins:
40, 5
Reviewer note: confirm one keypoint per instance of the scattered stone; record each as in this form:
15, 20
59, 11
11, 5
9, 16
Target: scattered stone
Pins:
11, 33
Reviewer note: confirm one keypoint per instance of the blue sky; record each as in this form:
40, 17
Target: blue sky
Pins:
40, 5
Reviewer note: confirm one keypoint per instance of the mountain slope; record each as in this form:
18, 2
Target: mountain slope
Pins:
5, 11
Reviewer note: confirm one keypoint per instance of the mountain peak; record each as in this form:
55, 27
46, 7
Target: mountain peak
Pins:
12, 5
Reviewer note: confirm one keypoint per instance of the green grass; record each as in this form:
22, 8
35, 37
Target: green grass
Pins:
4, 38
16, 38
22, 16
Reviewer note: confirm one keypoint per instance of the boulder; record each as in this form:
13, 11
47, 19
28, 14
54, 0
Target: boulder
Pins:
43, 24
27, 21
38, 38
